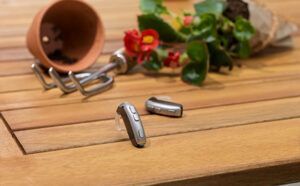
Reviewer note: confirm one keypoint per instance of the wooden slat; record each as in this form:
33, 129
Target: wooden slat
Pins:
128, 9
120, 90
15, 35
184, 5
100, 110
20, 41
274, 58
20, 82
24, 5
21, 53
14, 44
9, 24
11, 54
273, 175
8, 146
38, 98
21, 31
167, 158
21, 67
55, 138
15, 68
107, 16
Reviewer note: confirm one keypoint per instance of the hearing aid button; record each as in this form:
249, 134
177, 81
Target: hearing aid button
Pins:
132, 109
141, 134
136, 117
172, 111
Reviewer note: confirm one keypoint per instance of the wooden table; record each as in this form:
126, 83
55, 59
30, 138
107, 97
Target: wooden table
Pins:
242, 127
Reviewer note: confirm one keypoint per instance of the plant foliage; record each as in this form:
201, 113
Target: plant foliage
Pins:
210, 39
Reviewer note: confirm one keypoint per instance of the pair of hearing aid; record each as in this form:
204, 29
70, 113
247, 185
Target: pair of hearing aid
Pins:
133, 122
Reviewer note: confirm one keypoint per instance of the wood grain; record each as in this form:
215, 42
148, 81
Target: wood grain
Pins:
167, 158
274, 175
240, 127
38, 98
19, 82
21, 67
85, 134
101, 110
8, 146
12, 54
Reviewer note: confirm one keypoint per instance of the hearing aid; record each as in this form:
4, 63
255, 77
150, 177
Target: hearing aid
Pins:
165, 108
133, 124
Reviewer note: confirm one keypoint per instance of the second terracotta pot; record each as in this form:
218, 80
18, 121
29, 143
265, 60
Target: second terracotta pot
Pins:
67, 35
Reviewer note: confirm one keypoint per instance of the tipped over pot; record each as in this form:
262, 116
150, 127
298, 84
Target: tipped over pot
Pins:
67, 35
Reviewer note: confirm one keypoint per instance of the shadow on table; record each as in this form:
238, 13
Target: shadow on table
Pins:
275, 175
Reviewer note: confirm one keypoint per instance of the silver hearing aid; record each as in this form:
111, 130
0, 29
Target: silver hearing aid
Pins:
165, 108
133, 124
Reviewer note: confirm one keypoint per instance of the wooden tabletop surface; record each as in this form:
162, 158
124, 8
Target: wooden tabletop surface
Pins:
242, 127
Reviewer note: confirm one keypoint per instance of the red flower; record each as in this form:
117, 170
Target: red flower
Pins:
188, 20
141, 45
172, 60
149, 40
131, 42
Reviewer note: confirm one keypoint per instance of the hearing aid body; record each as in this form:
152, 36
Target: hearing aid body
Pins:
133, 124
165, 108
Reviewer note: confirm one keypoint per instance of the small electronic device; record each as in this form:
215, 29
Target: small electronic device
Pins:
133, 124
165, 108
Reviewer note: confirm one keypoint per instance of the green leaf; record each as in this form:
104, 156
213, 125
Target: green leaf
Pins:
226, 25
243, 30
152, 7
154, 64
195, 72
219, 58
216, 7
225, 33
185, 30
166, 32
244, 49
197, 51
224, 42
206, 29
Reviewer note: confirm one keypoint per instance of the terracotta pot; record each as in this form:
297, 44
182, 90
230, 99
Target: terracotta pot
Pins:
67, 35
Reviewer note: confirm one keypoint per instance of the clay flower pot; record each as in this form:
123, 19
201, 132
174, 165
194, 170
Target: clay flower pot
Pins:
67, 35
